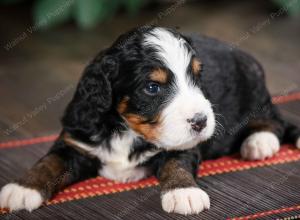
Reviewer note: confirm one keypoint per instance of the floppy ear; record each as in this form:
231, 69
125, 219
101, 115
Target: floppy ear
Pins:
85, 115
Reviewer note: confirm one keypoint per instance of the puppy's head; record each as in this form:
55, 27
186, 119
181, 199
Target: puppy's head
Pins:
149, 82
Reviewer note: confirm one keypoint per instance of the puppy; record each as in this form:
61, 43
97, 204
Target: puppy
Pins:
158, 103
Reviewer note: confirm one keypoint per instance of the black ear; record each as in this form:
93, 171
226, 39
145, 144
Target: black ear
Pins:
85, 115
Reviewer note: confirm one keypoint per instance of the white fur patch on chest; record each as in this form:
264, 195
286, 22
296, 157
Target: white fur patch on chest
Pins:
116, 164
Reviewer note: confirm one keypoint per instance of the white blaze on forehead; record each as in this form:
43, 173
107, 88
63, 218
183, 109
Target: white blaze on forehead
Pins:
172, 50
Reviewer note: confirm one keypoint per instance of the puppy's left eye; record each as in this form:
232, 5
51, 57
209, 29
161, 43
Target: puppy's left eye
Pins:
152, 88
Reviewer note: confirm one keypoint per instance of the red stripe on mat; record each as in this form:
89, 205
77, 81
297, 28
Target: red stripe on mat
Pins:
266, 213
281, 99
30, 141
44, 139
101, 186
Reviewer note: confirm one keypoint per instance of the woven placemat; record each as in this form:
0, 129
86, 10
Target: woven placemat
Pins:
238, 189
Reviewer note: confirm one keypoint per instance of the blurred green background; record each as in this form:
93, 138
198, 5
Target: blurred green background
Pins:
88, 13
45, 45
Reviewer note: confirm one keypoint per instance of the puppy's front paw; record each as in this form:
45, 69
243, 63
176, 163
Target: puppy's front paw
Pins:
260, 145
16, 197
185, 201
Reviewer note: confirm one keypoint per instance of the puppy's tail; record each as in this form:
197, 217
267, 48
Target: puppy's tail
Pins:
292, 134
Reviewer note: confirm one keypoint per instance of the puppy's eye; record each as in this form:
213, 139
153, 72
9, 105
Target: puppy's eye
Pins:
152, 88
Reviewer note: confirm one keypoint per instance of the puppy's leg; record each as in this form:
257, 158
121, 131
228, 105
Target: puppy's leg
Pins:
292, 134
62, 166
180, 192
263, 139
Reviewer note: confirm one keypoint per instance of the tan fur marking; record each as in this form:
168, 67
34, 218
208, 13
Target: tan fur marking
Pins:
173, 176
71, 142
264, 125
47, 176
122, 107
140, 125
196, 66
159, 75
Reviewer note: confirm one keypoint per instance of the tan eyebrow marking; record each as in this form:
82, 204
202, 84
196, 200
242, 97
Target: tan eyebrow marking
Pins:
196, 66
159, 75
122, 107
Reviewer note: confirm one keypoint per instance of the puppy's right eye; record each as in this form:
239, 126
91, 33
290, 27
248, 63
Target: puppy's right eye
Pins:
152, 88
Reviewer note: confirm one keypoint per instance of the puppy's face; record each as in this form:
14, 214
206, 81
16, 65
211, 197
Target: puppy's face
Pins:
159, 91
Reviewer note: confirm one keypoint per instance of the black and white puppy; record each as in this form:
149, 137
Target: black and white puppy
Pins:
158, 102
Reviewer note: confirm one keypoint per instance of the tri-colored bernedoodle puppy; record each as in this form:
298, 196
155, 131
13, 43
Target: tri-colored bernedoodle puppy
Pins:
158, 103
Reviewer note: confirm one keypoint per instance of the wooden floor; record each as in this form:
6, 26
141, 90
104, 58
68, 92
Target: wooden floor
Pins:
38, 75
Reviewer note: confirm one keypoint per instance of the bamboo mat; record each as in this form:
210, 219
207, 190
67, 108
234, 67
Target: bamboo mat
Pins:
238, 189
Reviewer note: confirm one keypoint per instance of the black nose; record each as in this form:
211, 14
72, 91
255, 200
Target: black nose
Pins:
198, 122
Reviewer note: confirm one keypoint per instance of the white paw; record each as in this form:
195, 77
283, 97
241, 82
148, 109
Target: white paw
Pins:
298, 143
260, 145
16, 197
185, 201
